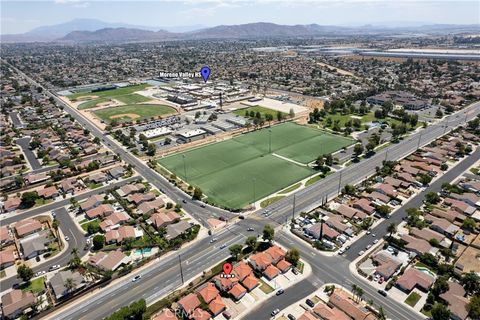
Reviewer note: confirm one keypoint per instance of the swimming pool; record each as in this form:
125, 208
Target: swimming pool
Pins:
427, 271
145, 251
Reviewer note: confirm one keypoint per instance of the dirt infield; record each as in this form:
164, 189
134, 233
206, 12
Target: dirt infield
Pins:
85, 98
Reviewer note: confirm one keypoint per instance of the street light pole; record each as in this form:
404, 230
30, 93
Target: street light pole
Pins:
253, 201
340, 182
269, 140
184, 167
181, 270
293, 210
419, 138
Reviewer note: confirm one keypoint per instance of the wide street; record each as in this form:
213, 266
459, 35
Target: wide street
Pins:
66, 225
163, 277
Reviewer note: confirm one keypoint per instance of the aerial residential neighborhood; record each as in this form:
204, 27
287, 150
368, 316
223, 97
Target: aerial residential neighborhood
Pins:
313, 160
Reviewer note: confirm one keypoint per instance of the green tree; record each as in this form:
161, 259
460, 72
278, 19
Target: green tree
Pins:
29, 198
358, 149
432, 197
98, 242
70, 285
440, 286
469, 224
293, 256
424, 179
440, 312
471, 282
381, 314
383, 210
473, 307
268, 233
235, 250
349, 189
197, 193
251, 242
151, 149
392, 228
24, 272
75, 261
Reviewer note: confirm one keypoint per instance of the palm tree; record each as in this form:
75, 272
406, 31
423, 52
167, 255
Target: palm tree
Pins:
392, 228
381, 314
354, 290
69, 285
359, 293
75, 262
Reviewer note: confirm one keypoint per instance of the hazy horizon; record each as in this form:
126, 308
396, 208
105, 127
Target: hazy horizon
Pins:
15, 17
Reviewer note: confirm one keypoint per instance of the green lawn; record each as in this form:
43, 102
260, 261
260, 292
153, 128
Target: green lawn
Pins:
111, 93
94, 223
36, 285
291, 188
133, 112
265, 203
412, 299
235, 172
132, 98
313, 180
91, 104
369, 117
41, 202
263, 111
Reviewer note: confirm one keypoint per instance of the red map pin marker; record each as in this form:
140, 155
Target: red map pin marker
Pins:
227, 268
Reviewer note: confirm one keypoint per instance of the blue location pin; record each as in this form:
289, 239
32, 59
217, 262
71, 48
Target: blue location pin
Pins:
205, 72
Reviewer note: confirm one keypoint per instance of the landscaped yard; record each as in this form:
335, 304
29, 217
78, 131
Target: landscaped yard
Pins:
41, 202
94, 223
412, 299
133, 112
234, 172
36, 285
265, 287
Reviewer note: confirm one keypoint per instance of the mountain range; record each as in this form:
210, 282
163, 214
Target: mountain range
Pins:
88, 30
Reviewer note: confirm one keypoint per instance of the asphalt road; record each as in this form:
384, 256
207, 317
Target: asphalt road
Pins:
24, 143
163, 277
66, 224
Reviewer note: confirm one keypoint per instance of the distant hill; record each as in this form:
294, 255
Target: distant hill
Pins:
84, 30
117, 34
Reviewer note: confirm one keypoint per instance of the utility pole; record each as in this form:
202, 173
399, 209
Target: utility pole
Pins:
293, 210
322, 220
340, 182
269, 140
253, 200
184, 167
181, 270
386, 155
419, 139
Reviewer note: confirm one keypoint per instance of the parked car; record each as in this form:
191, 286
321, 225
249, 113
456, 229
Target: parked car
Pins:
136, 278
54, 267
202, 205
213, 240
341, 251
369, 246
226, 315
347, 247
383, 293
361, 253
67, 238
280, 291
375, 241
295, 271
222, 218
373, 235
310, 303
275, 312
291, 317
241, 217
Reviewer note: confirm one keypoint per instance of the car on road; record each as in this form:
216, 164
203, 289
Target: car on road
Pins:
382, 292
310, 303
184, 201
54, 267
67, 238
202, 205
368, 246
361, 253
250, 229
222, 218
375, 241
223, 246
213, 240
280, 291
54, 214
291, 317
368, 232
241, 217
136, 278
374, 235
341, 251
274, 312
347, 247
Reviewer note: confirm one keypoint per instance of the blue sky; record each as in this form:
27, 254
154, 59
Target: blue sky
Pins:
21, 16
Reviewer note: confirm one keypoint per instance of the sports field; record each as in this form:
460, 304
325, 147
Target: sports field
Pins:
234, 172
133, 112
110, 93
263, 112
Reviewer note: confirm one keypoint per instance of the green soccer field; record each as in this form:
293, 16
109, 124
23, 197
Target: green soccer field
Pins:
133, 112
233, 173
110, 93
